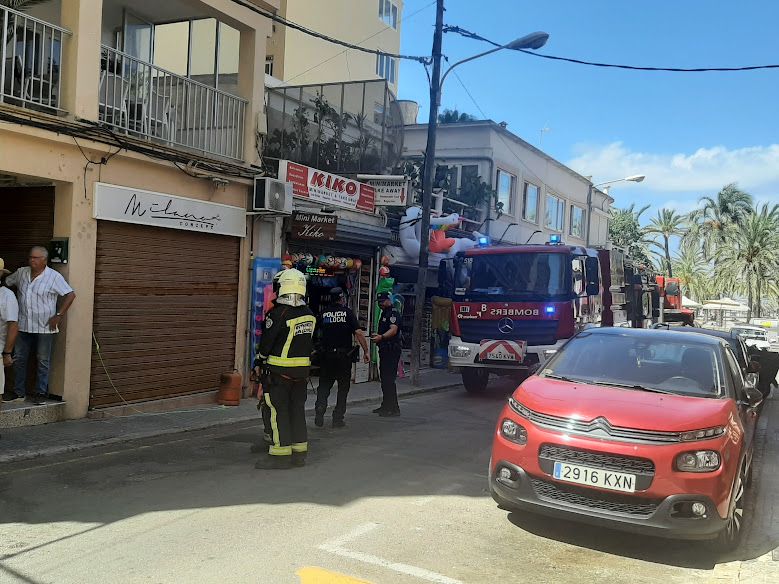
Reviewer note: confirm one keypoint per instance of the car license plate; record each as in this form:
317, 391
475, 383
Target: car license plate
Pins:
512, 351
594, 477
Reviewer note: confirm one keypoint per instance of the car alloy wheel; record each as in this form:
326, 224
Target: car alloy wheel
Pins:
730, 537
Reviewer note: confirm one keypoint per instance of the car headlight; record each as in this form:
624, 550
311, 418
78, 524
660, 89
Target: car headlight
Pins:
704, 434
698, 461
459, 351
513, 432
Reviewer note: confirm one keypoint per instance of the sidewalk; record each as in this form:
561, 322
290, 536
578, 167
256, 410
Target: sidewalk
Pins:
69, 436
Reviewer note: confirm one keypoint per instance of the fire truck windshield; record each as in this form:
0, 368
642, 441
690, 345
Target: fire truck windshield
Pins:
520, 276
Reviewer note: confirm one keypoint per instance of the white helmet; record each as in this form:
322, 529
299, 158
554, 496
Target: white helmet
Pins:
292, 287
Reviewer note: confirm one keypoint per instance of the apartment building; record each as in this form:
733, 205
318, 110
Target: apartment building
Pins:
298, 59
538, 195
128, 145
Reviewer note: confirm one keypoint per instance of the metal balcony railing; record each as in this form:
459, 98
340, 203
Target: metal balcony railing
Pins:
146, 101
31, 59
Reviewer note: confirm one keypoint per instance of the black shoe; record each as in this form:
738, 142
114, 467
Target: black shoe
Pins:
298, 459
8, 398
379, 410
319, 419
339, 424
37, 400
274, 463
389, 413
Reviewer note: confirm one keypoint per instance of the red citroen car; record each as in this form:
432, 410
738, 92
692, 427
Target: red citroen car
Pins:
648, 431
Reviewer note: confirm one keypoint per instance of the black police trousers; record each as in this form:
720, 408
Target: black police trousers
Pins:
286, 399
336, 367
388, 371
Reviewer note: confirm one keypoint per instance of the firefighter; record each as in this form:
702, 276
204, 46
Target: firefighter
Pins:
337, 325
387, 338
285, 351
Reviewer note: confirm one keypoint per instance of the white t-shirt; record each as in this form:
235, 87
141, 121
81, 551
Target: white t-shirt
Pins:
9, 312
37, 298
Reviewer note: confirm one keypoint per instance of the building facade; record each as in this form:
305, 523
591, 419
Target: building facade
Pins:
537, 195
128, 144
299, 59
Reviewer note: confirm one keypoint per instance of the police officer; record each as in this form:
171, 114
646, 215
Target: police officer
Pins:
285, 351
337, 325
388, 340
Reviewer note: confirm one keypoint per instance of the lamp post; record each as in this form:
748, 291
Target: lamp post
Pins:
532, 41
632, 178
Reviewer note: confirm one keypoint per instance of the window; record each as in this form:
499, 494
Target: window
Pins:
269, 65
530, 202
515, 277
388, 13
386, 67
577, 222
555, 213
469, 177
506, 185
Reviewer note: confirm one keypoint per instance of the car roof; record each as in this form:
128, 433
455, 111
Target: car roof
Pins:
692, 334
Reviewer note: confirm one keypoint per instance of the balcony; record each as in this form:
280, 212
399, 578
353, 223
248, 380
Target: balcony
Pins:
346, 128
30, 64
143, 100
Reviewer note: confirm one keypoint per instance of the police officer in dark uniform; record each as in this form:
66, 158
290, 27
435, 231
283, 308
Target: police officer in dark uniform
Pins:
285, 351
337, 326
387, 338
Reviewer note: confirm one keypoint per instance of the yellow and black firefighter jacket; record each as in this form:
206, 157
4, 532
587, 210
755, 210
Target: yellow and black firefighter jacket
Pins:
287, 341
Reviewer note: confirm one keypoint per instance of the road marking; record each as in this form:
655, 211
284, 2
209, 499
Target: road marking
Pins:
336, 547
312, 575
448, 490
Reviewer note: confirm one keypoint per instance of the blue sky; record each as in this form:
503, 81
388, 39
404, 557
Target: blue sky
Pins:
690, 133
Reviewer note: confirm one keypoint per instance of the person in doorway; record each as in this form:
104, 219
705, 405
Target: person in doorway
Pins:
338, 326
387, 338
9, 316
38, 290
285, 350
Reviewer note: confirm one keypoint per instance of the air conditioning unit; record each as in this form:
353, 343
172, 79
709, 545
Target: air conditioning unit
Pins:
272, 196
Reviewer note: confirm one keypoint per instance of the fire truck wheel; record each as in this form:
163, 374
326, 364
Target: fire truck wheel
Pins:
475, 379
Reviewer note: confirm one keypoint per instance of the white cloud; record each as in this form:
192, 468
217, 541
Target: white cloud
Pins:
705, 171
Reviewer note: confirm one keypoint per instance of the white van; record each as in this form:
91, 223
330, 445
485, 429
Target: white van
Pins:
771, 326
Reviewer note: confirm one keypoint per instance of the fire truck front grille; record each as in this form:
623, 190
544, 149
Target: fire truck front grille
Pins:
535, 332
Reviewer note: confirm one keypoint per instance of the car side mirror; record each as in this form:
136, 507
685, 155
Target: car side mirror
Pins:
754, 395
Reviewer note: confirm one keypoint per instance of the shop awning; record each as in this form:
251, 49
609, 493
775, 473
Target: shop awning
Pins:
362, 234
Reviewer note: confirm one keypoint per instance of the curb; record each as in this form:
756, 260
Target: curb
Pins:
66, 449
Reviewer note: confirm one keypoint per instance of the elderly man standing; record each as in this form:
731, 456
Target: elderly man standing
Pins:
9, 314
38, 290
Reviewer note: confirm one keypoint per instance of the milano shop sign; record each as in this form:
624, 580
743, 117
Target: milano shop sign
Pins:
331, 189
127, 205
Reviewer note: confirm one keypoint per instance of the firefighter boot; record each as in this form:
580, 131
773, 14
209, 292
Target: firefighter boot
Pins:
298, 459
319, 417
274, 463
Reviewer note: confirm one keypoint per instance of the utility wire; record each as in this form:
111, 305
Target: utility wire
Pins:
472, 35
386, 28
324, 37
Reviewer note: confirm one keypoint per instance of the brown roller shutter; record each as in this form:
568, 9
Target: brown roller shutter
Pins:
28, 220
165, 312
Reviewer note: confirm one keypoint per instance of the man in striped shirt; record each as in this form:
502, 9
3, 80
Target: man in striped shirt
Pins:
38, 290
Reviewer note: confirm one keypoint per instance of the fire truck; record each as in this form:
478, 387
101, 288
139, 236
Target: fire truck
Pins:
515, 306
667, 302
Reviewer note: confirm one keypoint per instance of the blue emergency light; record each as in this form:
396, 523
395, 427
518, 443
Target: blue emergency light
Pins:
484, 241
550, 309
556, 238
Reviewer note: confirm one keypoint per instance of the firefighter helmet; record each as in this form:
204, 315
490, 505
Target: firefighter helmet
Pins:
292, 282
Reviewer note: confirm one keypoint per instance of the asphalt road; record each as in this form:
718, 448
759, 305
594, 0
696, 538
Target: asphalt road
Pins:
385, 500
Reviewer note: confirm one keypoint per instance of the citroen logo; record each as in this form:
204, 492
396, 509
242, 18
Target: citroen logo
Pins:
602, 424
506, 325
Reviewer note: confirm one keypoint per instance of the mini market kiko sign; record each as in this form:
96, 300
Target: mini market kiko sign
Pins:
126, 205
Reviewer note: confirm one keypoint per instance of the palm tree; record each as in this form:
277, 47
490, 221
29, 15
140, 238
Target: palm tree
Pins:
709, 223
668, 223
694, 273
749, 254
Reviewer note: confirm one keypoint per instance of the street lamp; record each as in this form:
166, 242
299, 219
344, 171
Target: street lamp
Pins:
632, 178
532, 41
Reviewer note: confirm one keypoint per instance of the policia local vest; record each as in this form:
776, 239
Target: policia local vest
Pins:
287, 341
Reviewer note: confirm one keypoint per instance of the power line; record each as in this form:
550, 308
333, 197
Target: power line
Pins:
386, 28
472, 35
324, 37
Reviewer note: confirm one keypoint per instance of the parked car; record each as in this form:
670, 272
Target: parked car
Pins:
754, 336
771, 326
649, 431
735, 341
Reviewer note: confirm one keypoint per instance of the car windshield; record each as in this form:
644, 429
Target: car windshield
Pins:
520, 276
751, 334
660, 363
